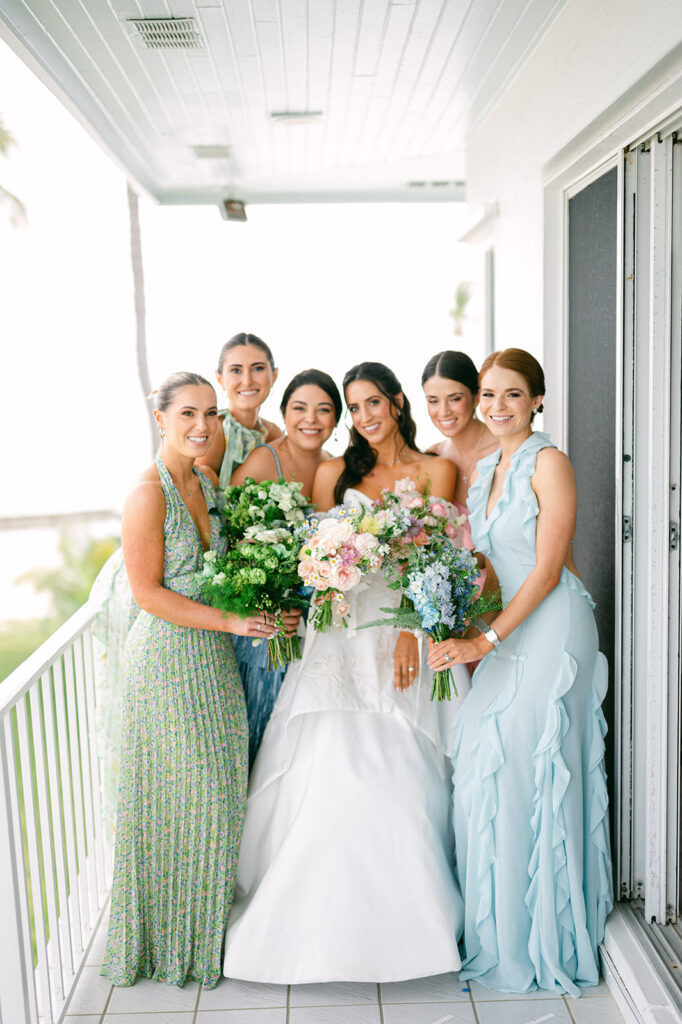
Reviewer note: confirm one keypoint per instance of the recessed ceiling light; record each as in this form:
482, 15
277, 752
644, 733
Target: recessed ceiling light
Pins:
296, 117
212, 152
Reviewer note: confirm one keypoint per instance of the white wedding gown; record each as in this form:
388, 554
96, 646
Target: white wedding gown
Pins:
346, 865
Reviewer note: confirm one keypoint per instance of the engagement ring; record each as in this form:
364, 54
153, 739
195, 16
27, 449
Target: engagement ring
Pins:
410, 669
448, 658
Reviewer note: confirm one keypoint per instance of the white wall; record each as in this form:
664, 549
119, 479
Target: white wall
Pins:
596, 58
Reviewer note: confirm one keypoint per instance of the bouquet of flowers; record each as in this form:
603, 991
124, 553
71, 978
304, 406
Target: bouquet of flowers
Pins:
439, 595
263, 524
418, 519
346, 545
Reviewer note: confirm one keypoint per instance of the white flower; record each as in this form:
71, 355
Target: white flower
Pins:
210, 556
218, 578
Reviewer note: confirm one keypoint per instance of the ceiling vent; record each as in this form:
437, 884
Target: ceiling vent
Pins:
168, 33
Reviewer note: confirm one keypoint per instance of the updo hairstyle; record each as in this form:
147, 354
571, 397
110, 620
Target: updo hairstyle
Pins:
245, 339
523, 363
319, 379
167, 391
359, 457
452, 366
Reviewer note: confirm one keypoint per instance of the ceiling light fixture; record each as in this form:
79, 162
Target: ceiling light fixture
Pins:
296, 117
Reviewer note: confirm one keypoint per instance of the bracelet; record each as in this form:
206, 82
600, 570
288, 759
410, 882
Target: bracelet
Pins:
492, 637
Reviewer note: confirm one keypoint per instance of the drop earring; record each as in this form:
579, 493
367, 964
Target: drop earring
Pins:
162, 432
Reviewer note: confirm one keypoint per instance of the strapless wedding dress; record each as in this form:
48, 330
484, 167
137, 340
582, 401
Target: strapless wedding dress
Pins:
346, 864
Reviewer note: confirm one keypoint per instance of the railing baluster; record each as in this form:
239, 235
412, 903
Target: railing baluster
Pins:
86, 778
56, 805
32, 827
89, 683
49, 880
18, 992
65, 775
74, 754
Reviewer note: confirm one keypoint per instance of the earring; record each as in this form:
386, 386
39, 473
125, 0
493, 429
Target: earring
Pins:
335, 436
162, 432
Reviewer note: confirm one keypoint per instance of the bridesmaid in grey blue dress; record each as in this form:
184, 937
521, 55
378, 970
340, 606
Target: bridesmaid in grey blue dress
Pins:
530, 800
311, 408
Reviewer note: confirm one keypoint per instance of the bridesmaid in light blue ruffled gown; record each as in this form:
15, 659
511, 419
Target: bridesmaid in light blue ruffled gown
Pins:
311, 407
530, 799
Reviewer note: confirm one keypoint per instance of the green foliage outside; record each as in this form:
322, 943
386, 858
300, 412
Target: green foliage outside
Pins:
68, 586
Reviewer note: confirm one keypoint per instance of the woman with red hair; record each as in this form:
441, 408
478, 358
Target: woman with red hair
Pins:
530, 800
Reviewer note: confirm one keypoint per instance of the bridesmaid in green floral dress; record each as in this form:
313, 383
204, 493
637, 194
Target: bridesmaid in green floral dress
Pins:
184, 749
246, 372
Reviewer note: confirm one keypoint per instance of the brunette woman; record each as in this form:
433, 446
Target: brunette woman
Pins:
311, 407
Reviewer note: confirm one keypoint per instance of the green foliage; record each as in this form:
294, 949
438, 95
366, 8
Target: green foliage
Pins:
17, 210
68, 584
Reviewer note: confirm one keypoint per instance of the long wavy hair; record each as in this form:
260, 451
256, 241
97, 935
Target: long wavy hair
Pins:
359, 457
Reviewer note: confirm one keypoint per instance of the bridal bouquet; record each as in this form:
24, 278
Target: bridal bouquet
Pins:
345, 546
439, 595
419, 519
263, 524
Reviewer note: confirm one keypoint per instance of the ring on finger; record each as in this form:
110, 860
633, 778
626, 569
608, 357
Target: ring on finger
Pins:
410, 668
448, 658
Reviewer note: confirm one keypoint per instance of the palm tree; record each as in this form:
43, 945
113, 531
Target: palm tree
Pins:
462, 296
17, 210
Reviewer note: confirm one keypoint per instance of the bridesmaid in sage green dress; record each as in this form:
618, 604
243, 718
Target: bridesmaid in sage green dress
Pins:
246, 372
184, 747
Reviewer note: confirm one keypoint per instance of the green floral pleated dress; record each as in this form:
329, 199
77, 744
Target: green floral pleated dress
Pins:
183, 782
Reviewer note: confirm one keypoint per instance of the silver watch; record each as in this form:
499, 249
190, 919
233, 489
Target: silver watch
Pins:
492, 637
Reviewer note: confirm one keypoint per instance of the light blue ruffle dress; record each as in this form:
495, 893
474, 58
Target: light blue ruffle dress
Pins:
530, 799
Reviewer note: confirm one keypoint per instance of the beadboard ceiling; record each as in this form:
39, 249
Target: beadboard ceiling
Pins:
395, 87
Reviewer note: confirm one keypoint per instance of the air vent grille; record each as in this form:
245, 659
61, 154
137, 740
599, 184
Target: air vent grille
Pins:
168, 33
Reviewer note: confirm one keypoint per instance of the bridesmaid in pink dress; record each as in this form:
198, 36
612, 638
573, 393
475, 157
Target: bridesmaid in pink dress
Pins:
450, 382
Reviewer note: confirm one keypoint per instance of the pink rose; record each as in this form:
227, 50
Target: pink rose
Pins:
416, 502
438, 508
451, 530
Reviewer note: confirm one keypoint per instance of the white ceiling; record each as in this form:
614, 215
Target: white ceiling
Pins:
400, 85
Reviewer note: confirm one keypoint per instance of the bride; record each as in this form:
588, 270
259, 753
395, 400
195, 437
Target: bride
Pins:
346, 864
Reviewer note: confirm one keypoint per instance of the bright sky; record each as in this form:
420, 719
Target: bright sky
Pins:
325, 286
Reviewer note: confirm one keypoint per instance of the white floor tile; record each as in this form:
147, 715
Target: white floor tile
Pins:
523, 1011
167, 1017
483, 994
438, 988
86, 1019
230, 994
429, 1013
595, 1011
96, 954
333, 993
349, 1014
595, 991
149, 996
262, 1016
91, 994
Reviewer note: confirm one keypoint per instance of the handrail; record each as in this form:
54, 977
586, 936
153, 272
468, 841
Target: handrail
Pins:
54, 863
14, 686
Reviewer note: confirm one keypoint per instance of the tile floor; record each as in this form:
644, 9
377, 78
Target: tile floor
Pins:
439, 1000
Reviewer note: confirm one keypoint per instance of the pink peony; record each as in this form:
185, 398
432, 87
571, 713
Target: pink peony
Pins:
347, 577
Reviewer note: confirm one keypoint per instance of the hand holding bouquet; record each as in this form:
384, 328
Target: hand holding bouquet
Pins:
333, 561
259, 572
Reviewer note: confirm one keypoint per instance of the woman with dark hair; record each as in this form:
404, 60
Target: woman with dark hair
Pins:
346, 870
530, 799
450, 383
311, 407
246, 372
183, 758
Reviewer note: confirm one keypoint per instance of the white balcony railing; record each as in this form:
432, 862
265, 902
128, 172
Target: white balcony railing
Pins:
54, 863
